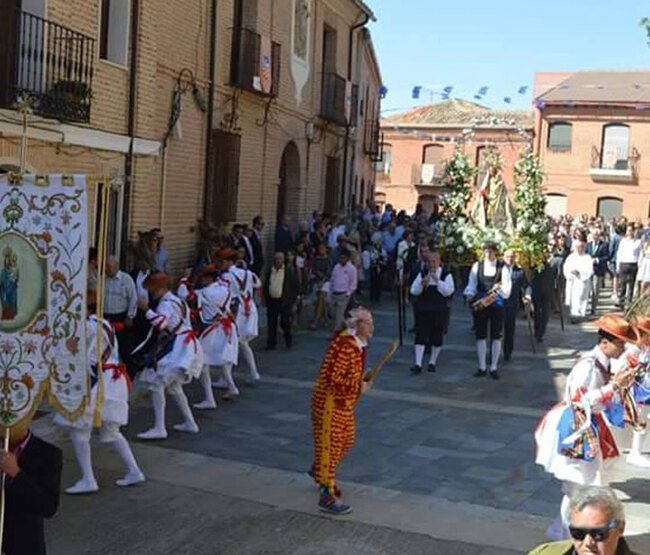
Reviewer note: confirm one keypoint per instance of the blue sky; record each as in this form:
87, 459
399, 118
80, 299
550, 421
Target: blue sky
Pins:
500, 44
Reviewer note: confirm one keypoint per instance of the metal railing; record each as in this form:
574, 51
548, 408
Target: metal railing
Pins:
609, 160
51, 63
248, 70
333, 100
372, 139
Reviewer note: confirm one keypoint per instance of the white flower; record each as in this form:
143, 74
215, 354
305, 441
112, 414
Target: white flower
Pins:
460, 250
449, 241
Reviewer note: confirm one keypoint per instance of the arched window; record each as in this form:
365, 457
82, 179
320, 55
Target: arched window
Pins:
556, 205
433, 154
559, 136
616, 147
610, 207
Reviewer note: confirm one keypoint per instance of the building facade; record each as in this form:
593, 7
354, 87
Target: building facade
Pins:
416, 144
122, 88
593, 136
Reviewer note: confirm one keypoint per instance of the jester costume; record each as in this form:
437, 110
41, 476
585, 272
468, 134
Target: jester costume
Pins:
334, 397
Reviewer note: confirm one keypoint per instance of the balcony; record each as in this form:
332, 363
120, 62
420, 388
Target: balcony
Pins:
372, 139
49, 62
339, 100
250, 70
608, 167
426, 175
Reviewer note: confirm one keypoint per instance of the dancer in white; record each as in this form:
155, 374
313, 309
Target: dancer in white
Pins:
172, 356
114, 409
219, 339
573, 439
578, 271
634, 410
247, 316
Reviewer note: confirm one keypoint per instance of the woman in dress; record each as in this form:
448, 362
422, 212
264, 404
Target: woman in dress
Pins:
643, 275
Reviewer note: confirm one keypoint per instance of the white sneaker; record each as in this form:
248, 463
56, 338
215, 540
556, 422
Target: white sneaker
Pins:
637, 459
153, 433
187, 427
83, 486
205, 405
130, 479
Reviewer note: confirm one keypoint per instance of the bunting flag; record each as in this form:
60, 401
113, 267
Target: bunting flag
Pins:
483, 90
43, 280
447, 90
266, 74
416, 92
383, 91
507, 100
522, 90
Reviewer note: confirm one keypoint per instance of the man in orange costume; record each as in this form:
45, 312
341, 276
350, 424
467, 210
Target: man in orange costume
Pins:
338, 388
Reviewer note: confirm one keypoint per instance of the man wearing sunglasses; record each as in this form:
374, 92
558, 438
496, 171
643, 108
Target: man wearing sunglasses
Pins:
597, 526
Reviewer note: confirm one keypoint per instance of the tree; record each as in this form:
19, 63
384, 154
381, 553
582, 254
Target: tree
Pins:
645, 23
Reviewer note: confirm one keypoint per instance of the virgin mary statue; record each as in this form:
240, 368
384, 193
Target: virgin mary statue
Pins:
9, 285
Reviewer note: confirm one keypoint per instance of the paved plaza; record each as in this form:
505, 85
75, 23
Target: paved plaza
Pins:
443, 463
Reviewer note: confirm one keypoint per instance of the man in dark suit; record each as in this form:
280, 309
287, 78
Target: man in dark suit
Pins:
542, 286
512, 303
281, 290
256, 243
234, 240
33, 477
283, 236
599, 252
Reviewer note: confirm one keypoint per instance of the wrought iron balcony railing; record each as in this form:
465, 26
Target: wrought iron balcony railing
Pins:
372, 139
50, 62
251, 70
338, 104
608, 165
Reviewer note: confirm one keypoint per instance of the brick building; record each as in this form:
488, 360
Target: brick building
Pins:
593, 136
122, 88
417, 143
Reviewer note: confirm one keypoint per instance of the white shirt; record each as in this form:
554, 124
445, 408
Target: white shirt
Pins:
120, 295
586, 375
489, 269
628, 251
334, 235
445, 287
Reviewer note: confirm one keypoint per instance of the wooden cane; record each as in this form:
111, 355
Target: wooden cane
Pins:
3, 500
372, 374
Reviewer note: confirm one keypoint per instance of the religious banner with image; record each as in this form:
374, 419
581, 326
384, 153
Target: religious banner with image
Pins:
43, 277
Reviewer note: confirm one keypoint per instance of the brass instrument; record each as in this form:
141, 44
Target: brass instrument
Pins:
486, 301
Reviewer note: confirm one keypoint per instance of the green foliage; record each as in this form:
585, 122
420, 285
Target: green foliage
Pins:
645, 23
532, 224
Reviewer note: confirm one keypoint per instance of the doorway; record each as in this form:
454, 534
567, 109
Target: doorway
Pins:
289, 187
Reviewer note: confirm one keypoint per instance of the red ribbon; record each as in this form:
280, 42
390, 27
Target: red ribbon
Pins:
247, 306
190, 337
226, 322
119, 370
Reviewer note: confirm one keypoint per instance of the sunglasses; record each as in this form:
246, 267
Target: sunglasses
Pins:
598, 534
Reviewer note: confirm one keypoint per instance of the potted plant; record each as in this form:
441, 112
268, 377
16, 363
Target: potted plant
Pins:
73, 91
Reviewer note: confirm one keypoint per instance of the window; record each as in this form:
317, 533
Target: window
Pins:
114, 32
224, 170
559, 136
616, 147
610, 207
432, 158
384, 165
556, 205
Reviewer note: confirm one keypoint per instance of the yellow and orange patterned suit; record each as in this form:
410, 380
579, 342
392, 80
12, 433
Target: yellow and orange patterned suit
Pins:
337, 391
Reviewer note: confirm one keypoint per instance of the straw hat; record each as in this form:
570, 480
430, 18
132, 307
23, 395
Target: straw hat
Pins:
642, 324
619, 327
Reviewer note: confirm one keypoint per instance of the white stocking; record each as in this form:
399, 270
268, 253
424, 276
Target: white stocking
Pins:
419, 354
176, 390
81, 444
206, 383
123, 449
227, 374
496, 351
249, 357
435, 351
159, 402
481, 351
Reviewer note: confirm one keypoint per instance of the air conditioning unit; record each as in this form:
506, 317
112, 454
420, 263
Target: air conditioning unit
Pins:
428, 174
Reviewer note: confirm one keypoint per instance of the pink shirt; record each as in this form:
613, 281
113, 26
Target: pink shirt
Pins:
344, 279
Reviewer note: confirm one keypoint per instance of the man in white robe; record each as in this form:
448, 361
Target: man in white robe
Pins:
578, 271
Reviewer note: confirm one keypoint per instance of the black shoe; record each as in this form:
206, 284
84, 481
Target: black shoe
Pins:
507, 357
416, 369
540, 340
431, 368
480, 373
288, 341
494, 375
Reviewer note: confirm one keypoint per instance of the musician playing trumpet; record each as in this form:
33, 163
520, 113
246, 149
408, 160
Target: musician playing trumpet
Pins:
487, 290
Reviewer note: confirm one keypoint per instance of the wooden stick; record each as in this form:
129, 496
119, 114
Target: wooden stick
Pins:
372, 374
3, 500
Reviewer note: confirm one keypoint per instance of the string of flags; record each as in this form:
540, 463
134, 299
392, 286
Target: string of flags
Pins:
445, 93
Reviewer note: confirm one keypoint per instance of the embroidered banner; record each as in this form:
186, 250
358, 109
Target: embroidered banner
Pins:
43, 276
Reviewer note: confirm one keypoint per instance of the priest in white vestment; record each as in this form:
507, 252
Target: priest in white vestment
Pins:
578, 271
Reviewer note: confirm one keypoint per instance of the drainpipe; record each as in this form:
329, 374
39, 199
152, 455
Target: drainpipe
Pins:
128, 162
346, 141
207, 197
